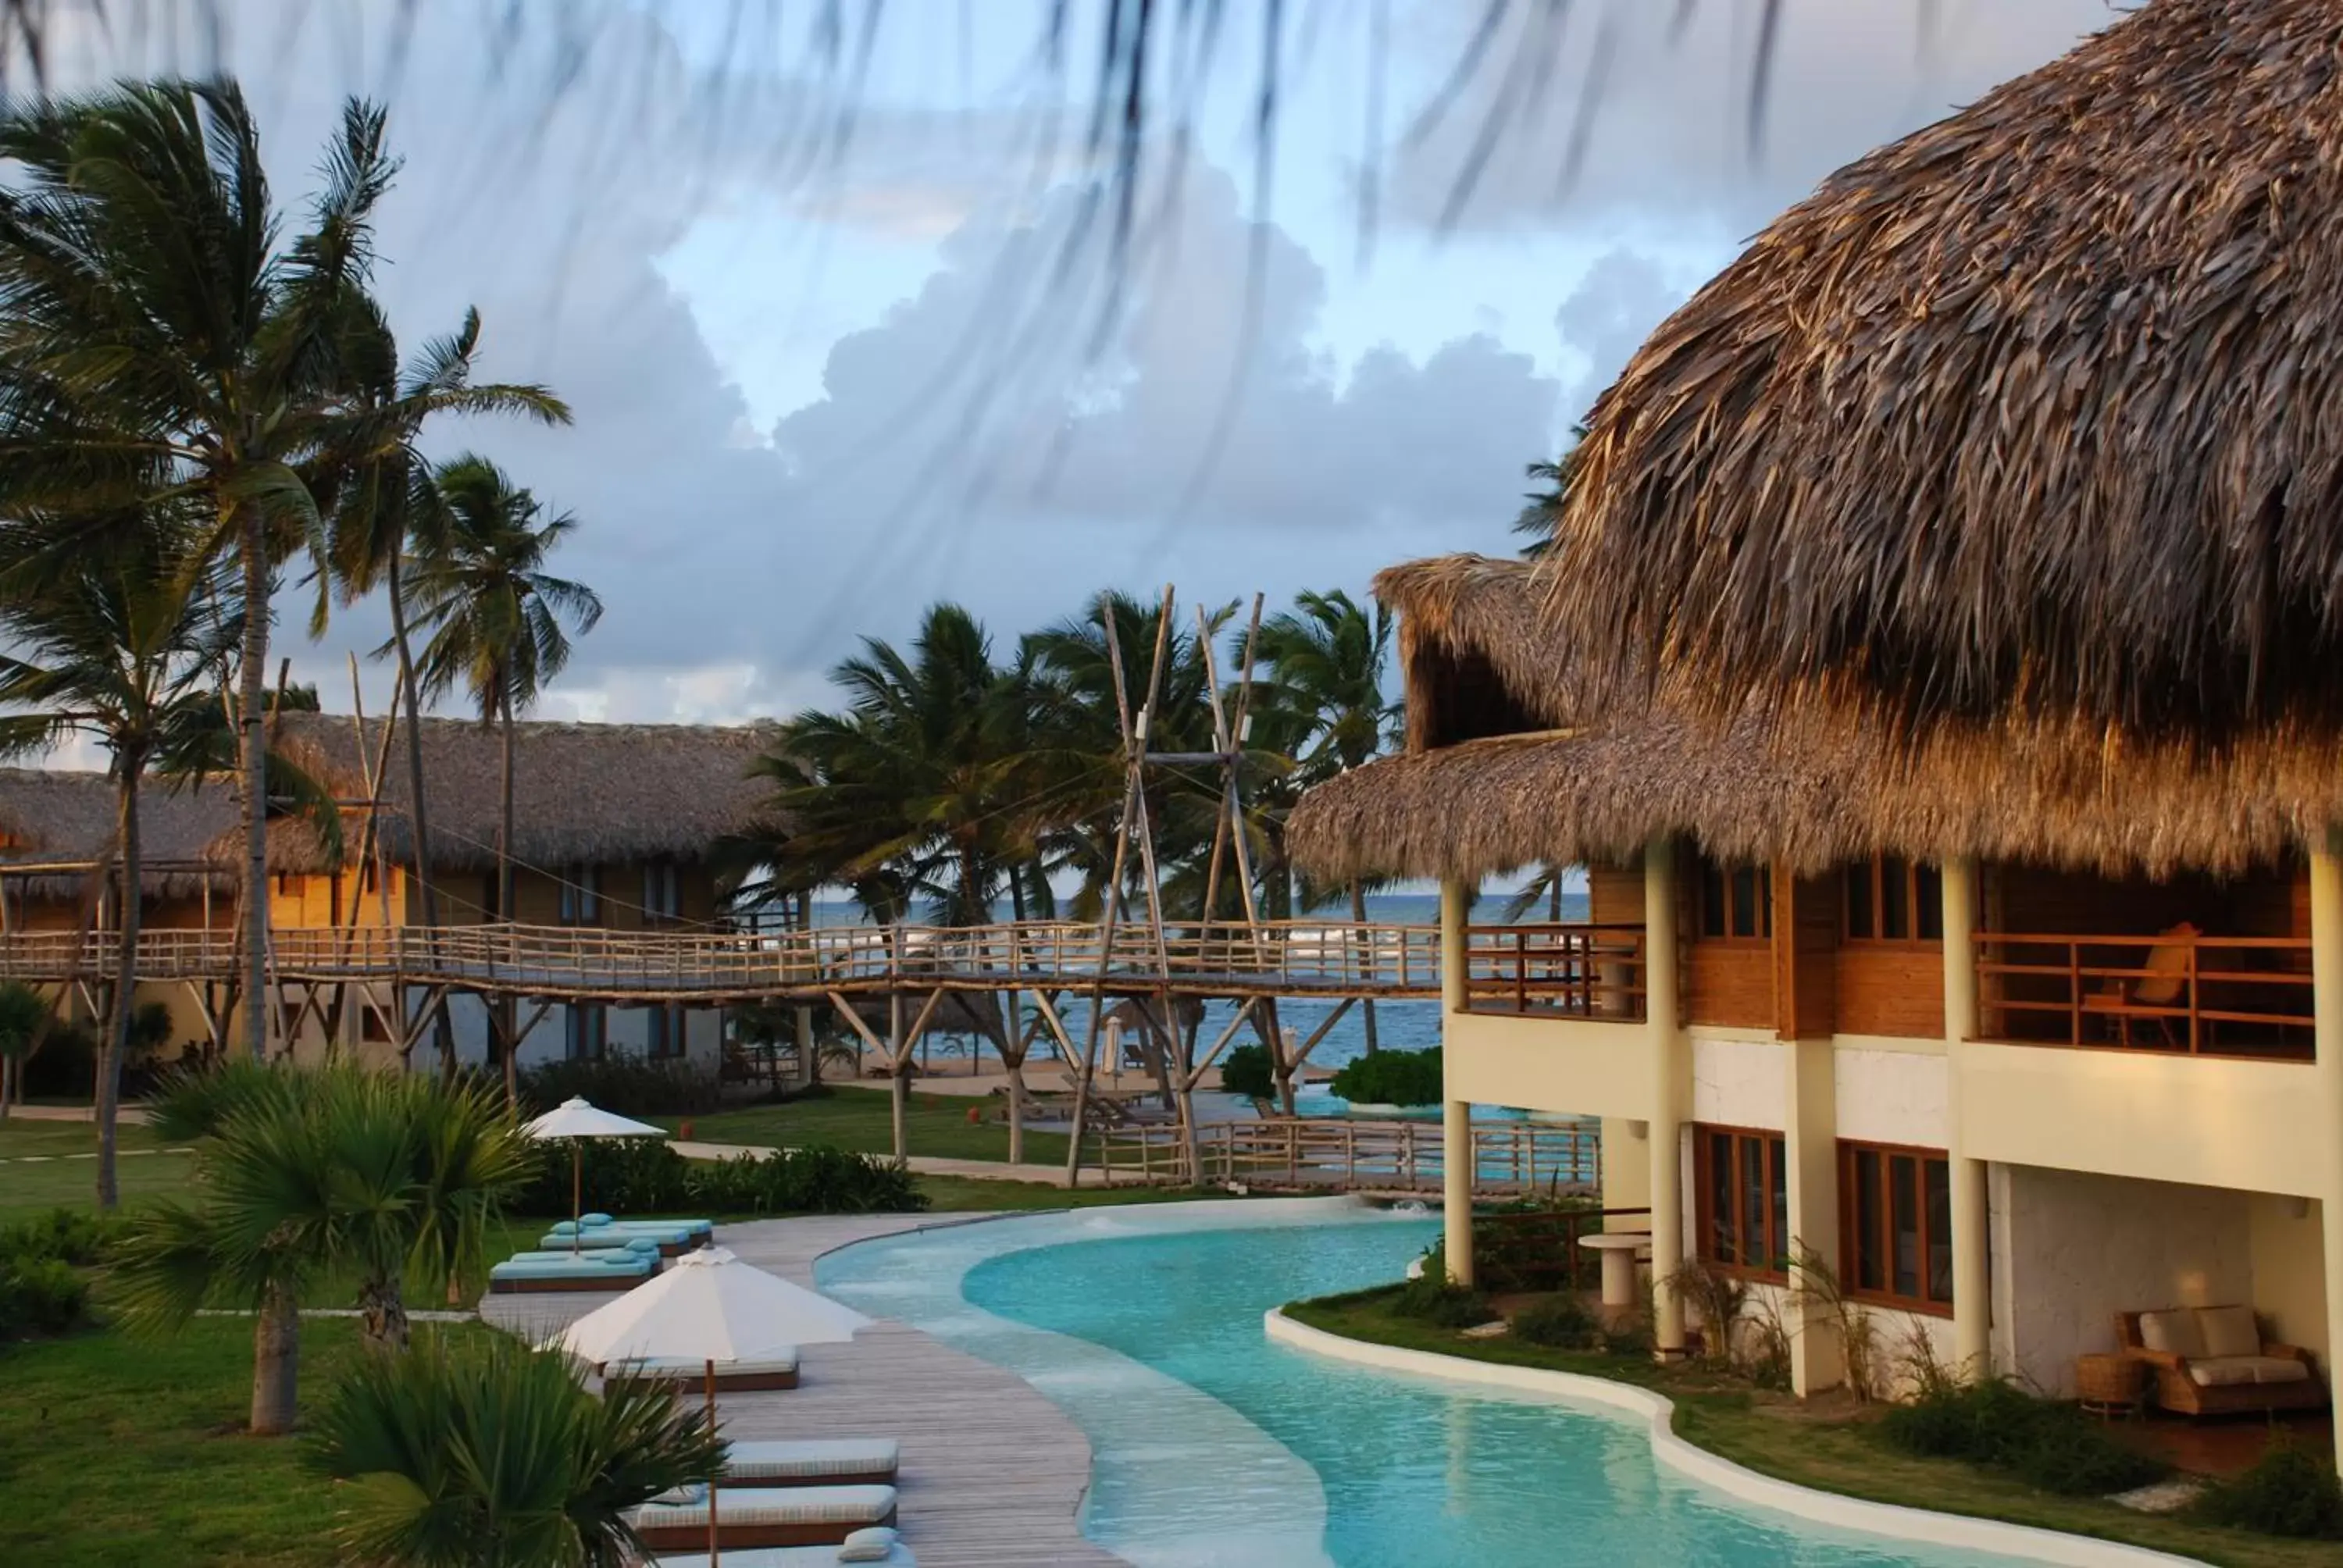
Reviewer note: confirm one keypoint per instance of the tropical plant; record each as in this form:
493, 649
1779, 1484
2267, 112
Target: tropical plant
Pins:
159, 343
387, 510
1542, 512
302, 1174
498, 1458
23, 1018
1391, 1078
499, 623
115, 638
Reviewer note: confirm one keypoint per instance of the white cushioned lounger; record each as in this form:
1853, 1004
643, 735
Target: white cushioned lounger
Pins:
834, 1462
786, 1516
776, 1372
896, 1554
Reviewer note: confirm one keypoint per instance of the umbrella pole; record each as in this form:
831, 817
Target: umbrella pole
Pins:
577, 1194
715, 1475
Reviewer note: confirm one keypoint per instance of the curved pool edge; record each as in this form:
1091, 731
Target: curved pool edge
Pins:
1918, 1526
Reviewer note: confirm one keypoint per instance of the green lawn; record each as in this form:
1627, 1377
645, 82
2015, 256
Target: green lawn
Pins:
1831, 1451
62, 1170
859, 1119
119, 1451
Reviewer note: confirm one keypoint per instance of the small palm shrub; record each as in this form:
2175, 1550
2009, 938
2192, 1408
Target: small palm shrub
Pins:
40, 1296
498, 1458
1559, 1323
2288, 1492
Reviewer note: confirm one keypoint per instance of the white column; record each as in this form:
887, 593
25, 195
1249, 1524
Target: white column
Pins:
1663, 1032
1455, 1115
1811, 1136
2327, 1003
1972, 1305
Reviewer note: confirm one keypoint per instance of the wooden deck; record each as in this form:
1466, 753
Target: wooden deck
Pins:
993, 1474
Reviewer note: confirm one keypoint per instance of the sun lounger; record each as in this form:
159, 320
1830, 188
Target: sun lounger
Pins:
836, 1461
610, 1271
732, 1377
668, 1242
878, 1546
786, 1516
600, 1222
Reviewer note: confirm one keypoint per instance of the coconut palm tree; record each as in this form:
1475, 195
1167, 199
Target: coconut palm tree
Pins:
385, 511
1541, 510
500, 623
499, 1458
299, 1175
111, 640
1326, 661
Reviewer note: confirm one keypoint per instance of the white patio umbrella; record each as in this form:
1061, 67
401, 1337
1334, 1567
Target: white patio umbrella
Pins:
577, 1121
709, 1306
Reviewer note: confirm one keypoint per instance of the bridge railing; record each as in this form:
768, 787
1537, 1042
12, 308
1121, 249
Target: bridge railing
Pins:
1335, 1153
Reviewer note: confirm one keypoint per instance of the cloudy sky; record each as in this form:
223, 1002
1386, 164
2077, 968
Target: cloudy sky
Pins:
823, 379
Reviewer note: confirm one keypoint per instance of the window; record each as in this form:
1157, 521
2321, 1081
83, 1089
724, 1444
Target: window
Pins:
665, 1032
1742, 1181
583, 1032
373, 1028
1737, 902
659, 901
1896, 1225
1892, 899
582, 895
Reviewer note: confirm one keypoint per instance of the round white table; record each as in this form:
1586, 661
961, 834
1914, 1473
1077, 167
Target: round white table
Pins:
1618, 1250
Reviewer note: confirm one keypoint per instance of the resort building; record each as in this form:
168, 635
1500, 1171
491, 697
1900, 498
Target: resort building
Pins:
1934, 661
617, 830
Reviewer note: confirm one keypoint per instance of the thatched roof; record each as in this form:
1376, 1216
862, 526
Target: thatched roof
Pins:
591, 793
2042, 405
1794, 778
600, 793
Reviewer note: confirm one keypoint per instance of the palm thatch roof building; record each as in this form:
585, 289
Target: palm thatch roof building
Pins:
1939, 664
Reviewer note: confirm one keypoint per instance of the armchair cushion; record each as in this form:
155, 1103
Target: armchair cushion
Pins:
2174, 1332
2223, 1372
2230, 1331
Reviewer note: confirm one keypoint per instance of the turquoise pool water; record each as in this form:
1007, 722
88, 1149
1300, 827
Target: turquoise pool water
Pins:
1214, 1448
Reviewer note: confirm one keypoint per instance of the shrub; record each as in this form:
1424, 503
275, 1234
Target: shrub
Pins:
1629, 1339
40, 1296
645, 1176
1430, 1298
1995, 1424
63, 1235
1246, 1071
625, 1085
1561, 1322
2288, 1492
1391, 1078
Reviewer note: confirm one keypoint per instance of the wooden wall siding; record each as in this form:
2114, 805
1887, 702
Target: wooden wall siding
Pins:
1614, 895
1892, 988
1806, 938
536, 895
1729, 983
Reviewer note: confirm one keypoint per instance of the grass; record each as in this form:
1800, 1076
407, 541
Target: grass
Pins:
45, 1165
119, 1451
860, 1119
1830, 1449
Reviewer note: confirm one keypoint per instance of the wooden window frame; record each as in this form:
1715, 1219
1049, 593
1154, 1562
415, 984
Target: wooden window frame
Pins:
660, 877
580, 900
1704, 896
1775, 1205
1849, 1232
1919, 911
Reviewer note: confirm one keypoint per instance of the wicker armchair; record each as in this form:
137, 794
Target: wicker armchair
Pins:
2201, 1383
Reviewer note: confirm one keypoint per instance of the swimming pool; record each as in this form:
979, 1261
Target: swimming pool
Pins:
1214, 1448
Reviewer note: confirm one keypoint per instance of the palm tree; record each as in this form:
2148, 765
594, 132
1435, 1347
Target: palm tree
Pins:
111, 643
498, 1458
1327, 659
496, 618
1543, 510
158, 341
385, 511
299, 1175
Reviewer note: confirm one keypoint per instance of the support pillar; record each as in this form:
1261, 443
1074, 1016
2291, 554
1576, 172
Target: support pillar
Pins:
2327, 1004
806, 1047
1455, 1115
1664, 1032
1816, 1357
1972, 1302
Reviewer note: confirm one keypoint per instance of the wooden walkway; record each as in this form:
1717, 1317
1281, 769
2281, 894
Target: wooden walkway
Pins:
993, 1475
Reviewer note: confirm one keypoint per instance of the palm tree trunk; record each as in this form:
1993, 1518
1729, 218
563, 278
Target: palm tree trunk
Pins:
1359, 918
276, 1362
505, 907
443, 1033
116, 1042
382, 1314
252, 695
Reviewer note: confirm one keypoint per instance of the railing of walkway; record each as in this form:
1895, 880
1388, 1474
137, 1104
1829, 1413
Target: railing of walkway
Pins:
1341, 1154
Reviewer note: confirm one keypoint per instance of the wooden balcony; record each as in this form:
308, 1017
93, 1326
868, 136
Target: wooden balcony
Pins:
2174, 993
1585, 971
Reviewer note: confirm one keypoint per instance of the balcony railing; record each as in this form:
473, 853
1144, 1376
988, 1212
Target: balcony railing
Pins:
2198, 995
1555, 971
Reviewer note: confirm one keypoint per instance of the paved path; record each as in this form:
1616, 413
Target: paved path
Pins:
993, 1474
